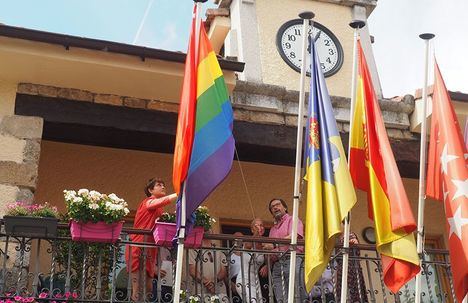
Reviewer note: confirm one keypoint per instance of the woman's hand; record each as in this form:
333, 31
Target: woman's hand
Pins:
209, 284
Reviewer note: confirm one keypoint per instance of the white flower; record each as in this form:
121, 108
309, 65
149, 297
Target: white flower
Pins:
83, 192
193, 299
94, 206
126, 211
77, 200
95, 195
69, 194
114, 197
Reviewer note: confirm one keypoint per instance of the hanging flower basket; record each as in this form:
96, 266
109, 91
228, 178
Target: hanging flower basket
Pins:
31, 220
164, 233
30, 227
95, 232
85, 207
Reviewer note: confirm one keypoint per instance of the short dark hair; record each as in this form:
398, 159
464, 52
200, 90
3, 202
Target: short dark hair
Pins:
277, 199
150, 185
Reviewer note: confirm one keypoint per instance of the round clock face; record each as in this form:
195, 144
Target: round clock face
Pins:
289, 43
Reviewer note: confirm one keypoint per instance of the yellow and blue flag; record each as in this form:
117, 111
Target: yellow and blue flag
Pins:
330, 191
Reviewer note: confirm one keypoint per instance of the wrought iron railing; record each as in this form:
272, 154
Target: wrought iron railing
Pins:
226, 268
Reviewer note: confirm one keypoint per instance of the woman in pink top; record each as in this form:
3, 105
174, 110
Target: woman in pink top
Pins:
149, 210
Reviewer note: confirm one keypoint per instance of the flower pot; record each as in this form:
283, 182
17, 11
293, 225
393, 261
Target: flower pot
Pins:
164, 233
31, 227
95, 232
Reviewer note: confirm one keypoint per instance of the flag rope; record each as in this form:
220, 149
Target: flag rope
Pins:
249, 198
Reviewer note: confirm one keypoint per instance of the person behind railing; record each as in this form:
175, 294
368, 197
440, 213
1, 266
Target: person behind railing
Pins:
235, 267
323, 289
248, 282
164, 276
148, 211
356, 284
208, 270
280, 272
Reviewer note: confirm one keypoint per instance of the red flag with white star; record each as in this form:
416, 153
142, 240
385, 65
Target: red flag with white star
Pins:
447, 179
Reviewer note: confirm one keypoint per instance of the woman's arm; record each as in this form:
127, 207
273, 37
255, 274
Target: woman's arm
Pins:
152, 204
222, 273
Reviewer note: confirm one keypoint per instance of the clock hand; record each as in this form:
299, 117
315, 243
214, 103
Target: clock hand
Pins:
317, 36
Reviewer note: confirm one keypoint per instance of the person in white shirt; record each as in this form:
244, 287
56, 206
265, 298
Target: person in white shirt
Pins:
247, 282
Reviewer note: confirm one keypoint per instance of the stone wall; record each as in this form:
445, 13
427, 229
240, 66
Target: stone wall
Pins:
272, 104
20, 141
252, 102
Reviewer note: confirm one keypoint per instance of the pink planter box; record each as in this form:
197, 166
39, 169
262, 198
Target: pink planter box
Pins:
95, 232
163, 234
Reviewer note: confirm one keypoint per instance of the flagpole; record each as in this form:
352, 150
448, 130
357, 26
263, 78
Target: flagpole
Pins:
356, 25
180, 249
183, 214
422, 166
306, 16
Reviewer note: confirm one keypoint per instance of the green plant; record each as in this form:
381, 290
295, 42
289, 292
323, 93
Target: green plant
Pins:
167, 218
201, 216
92, 206
32, 210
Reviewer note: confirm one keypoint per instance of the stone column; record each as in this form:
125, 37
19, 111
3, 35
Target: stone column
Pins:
20, 139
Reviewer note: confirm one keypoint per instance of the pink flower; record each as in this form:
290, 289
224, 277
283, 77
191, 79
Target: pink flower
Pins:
18, 298
42, 295
74, 295
67, 294
58, 296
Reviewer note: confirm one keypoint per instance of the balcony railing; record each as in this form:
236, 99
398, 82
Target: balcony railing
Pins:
61, 270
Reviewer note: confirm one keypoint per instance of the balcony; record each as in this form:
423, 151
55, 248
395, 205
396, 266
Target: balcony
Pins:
60, 270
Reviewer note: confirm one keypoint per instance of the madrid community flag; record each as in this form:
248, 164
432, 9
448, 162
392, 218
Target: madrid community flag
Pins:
373, 169
330, 191
204, 147
447, 179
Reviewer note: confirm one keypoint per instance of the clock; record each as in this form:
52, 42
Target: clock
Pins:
329, 50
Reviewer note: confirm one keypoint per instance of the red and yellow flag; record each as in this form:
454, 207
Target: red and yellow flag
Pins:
447, 179
373, 169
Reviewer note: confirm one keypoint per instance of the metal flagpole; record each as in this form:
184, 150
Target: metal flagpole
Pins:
422, 167
306, 16
356, 25
180, 250
183, 219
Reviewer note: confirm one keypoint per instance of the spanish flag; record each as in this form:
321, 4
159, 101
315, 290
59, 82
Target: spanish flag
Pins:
374, 170
330, 191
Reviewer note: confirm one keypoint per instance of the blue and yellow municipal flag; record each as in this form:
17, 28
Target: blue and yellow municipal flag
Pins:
330, 191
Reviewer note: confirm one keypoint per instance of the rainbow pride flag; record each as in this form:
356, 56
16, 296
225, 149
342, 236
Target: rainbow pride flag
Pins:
204, 143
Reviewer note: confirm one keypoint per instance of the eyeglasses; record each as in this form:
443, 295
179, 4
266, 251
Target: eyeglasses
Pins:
275, 204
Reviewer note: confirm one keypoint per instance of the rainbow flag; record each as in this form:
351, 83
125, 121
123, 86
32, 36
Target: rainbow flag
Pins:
373, 169
330, 191
204, 144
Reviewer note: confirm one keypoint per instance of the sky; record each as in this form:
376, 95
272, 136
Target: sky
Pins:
395, 24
